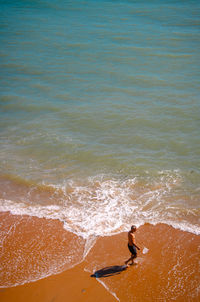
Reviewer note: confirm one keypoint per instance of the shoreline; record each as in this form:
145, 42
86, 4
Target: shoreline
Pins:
169, 268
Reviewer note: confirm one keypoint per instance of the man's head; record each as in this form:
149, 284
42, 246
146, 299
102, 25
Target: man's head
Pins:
133, 228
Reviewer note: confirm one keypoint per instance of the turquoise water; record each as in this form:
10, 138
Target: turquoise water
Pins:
104, 91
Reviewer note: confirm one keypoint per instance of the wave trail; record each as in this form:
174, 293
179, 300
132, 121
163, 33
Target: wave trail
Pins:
102, 206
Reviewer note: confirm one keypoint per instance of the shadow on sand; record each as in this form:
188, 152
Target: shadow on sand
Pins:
109, 271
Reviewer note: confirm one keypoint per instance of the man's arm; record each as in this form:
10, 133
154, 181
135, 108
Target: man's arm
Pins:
133, 240
136, 246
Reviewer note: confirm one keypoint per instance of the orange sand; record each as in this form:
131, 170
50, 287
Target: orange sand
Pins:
168, 272
71, 285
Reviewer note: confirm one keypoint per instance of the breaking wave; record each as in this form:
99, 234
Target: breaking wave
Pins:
102, 206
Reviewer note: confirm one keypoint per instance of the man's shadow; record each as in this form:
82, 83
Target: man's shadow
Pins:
109, 271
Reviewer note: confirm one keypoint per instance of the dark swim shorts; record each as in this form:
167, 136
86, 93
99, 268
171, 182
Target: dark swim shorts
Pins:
132, 249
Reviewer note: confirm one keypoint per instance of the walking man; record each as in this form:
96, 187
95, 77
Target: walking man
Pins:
132, 245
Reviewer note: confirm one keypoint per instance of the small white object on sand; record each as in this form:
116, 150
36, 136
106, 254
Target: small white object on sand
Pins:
145, 250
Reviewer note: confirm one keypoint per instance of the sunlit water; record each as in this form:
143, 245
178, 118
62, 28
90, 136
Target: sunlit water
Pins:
99, 112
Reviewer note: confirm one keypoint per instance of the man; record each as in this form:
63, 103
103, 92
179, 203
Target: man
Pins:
132, 245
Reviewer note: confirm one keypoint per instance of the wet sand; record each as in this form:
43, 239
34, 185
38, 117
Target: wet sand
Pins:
72, 285
169, 271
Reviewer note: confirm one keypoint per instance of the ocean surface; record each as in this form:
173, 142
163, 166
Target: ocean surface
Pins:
100, 113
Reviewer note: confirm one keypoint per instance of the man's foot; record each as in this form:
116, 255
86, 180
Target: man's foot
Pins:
135, 263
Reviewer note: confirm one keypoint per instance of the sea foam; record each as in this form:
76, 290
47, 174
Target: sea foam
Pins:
103, 207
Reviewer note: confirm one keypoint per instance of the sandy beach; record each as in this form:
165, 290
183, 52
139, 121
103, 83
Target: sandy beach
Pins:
168, 271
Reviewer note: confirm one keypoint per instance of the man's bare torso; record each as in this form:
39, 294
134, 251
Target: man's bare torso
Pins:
131, 238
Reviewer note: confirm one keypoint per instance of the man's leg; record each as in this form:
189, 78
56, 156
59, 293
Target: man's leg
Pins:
131, 259
127, 261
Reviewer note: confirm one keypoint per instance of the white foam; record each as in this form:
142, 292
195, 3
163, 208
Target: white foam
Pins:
104, 285
90, 242
107, 288
103, 207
